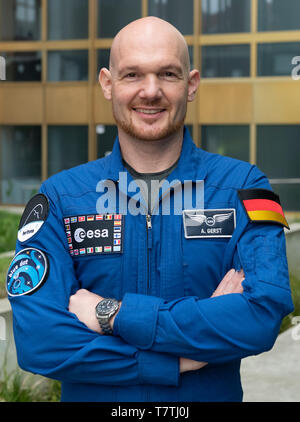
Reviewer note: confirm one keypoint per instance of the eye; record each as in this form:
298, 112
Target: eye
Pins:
131, 75
168, 75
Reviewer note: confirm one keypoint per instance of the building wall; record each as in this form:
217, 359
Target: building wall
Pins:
53, 114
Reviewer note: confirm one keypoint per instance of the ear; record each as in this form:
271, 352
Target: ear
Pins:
105, 81
194, 80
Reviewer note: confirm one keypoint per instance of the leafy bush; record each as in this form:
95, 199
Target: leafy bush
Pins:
23, 387
8, 231
4, 264
295, 288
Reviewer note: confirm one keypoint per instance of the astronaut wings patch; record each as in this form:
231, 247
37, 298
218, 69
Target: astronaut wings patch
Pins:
209, 223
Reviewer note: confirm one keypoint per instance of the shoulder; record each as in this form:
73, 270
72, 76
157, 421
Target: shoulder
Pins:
226, 172
76, 180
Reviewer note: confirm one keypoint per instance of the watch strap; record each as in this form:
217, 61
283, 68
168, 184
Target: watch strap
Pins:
105, 326
104, 320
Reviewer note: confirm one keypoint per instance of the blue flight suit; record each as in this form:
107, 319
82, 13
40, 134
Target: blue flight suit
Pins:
165, 281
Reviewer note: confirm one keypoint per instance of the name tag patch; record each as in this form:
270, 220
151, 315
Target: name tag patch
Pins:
94, 234
209, 223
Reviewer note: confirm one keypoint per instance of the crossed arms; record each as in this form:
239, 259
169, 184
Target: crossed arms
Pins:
83, 304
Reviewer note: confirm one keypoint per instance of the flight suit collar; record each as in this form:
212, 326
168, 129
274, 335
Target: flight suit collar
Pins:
190, 165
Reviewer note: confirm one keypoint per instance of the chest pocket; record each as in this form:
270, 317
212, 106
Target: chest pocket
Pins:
202, 265
101, 274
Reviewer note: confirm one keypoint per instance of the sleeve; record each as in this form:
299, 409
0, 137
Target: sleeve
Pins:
223, 328
52, 342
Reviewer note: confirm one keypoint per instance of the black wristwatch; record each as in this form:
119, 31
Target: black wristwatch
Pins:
105, 310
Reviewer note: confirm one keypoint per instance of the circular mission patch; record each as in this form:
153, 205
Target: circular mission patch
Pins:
27, 272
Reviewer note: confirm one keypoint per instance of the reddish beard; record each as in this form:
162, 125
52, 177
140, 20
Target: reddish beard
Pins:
155, 135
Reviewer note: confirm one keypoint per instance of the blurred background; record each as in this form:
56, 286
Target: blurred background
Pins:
53, 115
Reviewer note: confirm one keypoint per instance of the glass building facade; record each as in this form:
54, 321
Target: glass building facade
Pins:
53, 114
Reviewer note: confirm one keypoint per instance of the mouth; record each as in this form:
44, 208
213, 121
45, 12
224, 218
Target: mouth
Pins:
151, 112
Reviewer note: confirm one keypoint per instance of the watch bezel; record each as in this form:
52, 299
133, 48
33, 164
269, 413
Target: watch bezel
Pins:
114, 307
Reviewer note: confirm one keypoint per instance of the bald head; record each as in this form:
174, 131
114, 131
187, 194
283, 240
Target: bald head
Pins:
149, 81
149, 33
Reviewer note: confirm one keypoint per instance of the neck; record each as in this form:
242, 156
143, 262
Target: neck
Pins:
150, 156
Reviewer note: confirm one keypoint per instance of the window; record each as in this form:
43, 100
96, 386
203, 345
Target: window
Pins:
67, 147
289, 194
221, 61
114, 14
20, 163
191, 54
179, 13
68, 65
229, 140
106, 135
23, 66
278, 15
219, 16
67, 19
276, 59
20, 20
278, 152
103, 59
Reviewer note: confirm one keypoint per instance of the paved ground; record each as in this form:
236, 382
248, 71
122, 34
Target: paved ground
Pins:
274, 376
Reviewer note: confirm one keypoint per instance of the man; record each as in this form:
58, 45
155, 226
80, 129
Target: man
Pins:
149, 306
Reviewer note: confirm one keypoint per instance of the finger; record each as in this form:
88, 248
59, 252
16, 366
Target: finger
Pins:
223, 285
228, 275
242, 272
236, 282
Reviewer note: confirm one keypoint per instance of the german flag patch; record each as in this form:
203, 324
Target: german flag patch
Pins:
263, 206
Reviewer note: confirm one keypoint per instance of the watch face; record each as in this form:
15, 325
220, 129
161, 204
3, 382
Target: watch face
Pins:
106, 306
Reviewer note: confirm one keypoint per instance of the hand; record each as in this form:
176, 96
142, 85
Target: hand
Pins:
231, 283
83, 304
190, 365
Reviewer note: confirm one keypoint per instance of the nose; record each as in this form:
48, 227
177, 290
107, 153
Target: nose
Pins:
151, 89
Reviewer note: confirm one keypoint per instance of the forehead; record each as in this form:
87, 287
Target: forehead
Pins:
142, 51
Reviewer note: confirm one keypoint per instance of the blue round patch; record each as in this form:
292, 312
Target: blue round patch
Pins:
27, 272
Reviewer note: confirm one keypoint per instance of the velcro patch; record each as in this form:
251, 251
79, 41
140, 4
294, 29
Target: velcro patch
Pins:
94, 234
209, 223
33, 218
27, 272
263, 206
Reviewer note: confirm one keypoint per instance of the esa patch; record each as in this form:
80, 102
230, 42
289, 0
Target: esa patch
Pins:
34, 216
209, 223
27, 272
94, 234
263, 206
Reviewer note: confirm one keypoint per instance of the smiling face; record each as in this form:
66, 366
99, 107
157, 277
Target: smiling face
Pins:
149, 82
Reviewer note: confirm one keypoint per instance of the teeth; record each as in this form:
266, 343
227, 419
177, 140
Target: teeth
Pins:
142, 110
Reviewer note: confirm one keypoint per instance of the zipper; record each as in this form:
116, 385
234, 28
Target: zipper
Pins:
149, 247
149, 233
148, 221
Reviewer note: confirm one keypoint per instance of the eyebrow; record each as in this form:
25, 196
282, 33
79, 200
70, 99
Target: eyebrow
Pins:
178, 69
171, 67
